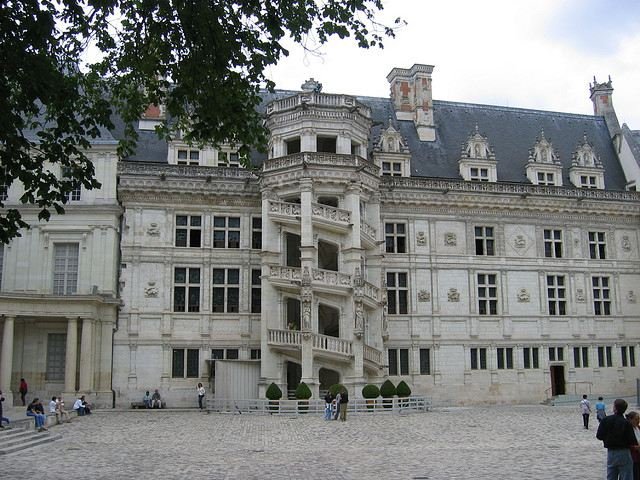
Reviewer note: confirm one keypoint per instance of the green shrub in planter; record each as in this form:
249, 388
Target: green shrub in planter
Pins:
403, 390
388, 391
370, 392
303, 394
274, 394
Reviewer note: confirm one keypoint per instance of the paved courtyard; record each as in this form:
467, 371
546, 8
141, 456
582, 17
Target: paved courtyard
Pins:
513, 442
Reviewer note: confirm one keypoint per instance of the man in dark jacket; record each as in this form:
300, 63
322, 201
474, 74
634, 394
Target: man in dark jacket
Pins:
617, 435
344, 400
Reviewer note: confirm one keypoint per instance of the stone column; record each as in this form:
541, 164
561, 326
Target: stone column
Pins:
86, 356
6, 361
71, 357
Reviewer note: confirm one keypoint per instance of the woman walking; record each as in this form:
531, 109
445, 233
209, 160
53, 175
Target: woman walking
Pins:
201, 393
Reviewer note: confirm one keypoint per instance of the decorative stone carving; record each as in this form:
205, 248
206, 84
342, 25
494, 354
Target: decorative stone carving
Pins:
580, 295
450, 239
424, 296
477, 147
453, 295
520, 241
543, 151
626, 243
359, 320
584, 155
391, 141
151, 291
311, 85
631, 297
153, 230
421, 239
523, 296
306, 296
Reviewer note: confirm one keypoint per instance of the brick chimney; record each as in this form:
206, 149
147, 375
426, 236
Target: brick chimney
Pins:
412, 98
601, 96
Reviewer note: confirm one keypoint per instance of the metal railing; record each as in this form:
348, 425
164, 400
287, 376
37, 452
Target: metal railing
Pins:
378, 406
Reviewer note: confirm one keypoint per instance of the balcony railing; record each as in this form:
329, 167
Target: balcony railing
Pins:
284, 208
368, 230
331, 214
332, 344
371, 291
277, 272
330, 278
372, 354
285, 337
320, 159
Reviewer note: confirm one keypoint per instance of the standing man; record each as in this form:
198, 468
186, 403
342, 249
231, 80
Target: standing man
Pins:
23, 388
617, 435
344, 400
585, 407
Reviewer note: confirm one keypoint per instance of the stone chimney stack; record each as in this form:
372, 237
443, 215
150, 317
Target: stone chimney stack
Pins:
412, 98
601, 96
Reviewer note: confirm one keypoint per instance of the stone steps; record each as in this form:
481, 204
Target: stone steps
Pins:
18, 439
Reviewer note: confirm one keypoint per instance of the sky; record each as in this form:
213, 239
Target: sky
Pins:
538, 54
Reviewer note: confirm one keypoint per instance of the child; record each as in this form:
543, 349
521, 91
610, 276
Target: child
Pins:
600, 410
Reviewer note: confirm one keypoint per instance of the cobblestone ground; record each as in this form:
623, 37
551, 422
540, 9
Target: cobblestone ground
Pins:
516, 442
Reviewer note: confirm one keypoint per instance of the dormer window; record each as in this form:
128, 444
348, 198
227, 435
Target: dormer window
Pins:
392, 169
477, 160
229, 158
543, 167
391, 153
187, 156
586, 170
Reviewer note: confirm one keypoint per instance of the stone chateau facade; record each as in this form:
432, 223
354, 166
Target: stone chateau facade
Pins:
482, 254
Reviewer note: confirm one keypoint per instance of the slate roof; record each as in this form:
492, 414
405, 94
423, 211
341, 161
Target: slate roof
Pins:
633, 139
511, 132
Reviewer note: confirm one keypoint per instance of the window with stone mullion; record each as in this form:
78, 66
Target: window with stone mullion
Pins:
226, 232
484, 241
186, 289
397, 293
487, 294
556, 295
601, 296
65, 270
552, 243
597, 246
188, 231
395, 238
226, 290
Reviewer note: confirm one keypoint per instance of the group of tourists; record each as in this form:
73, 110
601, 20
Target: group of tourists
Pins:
152, 401
336, 407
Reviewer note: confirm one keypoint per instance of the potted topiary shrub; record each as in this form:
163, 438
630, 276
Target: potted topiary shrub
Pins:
303, 394
403, 391
388, 391
273, 394
370, 392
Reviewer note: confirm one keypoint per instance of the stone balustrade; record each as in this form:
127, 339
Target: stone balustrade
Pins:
333, 214
331, 278
320, 159
368, 230
278, 272
284, 208
371, 291
372, 355
284, 337
332, 344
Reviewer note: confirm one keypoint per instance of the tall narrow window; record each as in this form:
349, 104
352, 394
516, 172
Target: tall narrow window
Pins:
188, 230
226, 290
56, 351
505, 358
552, 243
186, 363
186, 289
581, 357
256, 291
556, 295
478, 358
397, 293
395, 238
256, 233
530, 357
65, 270
487, 294
628, 356
604, 357
556, 354
597, 245
398, 361
484, 241
226, 232
601, 296
425, 361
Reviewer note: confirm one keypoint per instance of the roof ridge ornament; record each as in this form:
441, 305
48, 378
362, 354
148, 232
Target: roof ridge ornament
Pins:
585, 155
311, 85
543, 151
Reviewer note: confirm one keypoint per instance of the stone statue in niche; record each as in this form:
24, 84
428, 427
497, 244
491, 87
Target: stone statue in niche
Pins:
520, 241
151, 291
421, 239
450, 239
424, 296
580, 295
453, 295
153, 230
626, 243
359, 320
523, 296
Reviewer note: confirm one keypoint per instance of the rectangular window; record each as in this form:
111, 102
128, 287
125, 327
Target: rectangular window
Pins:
391, 169
601, 296
479, 174
553, 243
556, 354
226, 232
487, 294
232, 353
256, 291
226, 290
556, 295
478, 358
604, 357
4, 185
188, 157
397, 293
65, 269
546, 178
256, 233
74, 194
425, 361
484, 241
293, 145
188, 230
505, 358
56, 352
581, 357
628, 356
186, 289
395, 238
597, 245
186, 363
255, 354
398, 361
530, 357
588, 181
